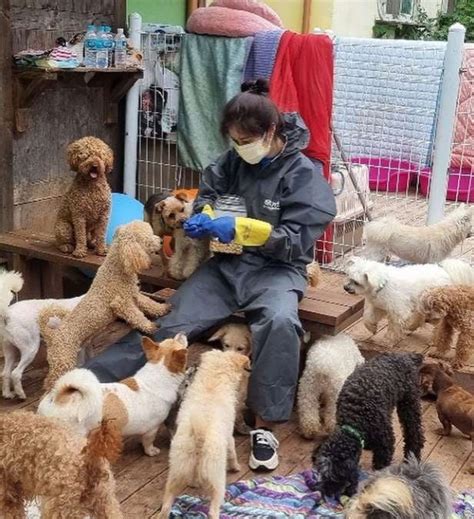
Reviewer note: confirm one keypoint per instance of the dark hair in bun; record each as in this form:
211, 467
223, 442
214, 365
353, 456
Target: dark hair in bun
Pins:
259, 87
252, 111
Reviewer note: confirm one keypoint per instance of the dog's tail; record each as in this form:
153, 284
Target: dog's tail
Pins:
388, 494
76, 397
11, 283
314, 273
49, 319
460, 272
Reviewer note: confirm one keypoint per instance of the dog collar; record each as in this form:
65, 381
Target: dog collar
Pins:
354, 433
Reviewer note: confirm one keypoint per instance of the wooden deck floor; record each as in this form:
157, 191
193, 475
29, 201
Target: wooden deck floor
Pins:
141, 479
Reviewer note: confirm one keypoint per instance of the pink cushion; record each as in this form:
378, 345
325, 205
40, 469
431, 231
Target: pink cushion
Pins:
251, 6
222, 21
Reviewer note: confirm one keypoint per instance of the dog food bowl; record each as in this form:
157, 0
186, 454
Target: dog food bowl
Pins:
460, 184
386, 174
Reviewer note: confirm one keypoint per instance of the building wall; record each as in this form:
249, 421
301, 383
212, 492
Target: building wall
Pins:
162, 11
65, 111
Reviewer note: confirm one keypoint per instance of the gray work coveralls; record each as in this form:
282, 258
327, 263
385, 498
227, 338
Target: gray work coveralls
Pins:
265, 282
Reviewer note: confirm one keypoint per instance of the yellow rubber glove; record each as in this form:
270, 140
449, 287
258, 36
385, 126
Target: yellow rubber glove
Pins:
250, 232
207, 209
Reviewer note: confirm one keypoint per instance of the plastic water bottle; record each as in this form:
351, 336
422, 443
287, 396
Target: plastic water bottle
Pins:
90, 47
102, 55
109, 44
120, 49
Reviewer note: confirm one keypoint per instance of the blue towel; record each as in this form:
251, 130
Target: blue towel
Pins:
262, 55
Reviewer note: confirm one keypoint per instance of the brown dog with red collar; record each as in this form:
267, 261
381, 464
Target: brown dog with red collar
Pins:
454, 405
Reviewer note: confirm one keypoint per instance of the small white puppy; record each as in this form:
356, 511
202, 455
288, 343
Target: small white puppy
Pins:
203, 447
139, 404
329, 362
21, 337
394, 292
417, 244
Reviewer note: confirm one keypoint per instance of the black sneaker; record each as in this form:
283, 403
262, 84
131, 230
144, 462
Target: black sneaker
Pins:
263, 454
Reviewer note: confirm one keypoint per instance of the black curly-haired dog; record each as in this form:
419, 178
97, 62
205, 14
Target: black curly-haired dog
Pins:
364, 420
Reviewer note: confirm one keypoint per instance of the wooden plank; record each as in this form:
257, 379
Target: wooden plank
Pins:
31, 271
334, 297
6, 119
306, 25
52, 280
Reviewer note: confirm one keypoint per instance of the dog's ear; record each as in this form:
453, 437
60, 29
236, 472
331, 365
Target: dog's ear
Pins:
375, 280
133, 256
181, 338
151, 348
218, 335
179, 359
182, 196
160, 206
73, 158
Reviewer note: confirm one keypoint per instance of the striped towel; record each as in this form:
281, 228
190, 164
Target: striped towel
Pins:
262, 55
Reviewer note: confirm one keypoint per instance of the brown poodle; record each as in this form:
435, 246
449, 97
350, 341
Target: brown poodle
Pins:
453, 307
40, 457
114, 294
84, 213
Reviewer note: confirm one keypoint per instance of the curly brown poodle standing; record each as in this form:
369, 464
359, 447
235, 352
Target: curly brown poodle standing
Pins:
41, 458
84, 213
453, 307
114, 294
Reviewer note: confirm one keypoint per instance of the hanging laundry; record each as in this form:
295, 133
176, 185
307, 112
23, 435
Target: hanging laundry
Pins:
263, 55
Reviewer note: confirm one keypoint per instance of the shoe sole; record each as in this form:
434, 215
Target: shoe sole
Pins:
264, 466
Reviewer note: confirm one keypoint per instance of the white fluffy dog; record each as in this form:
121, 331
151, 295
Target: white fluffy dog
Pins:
21, 336
329, 362
425, 244
394, 292
138, 405
203, 447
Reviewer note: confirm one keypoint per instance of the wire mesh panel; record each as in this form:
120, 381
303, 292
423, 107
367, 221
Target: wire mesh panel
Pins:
158, 165
385, 107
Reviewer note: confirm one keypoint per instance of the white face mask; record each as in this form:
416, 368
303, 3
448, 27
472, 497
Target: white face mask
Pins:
253, 152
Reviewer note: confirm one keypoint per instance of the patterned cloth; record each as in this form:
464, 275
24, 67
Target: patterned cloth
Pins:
262, 55
285, 497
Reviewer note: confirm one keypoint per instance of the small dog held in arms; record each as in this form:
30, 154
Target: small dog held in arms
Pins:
20, 331
328, 364
84, 213
394, 292
452, 308
114, 294
71, 476
138, 405
364, 420
409, 490
203, 447
167, 216
454, 405
424, 244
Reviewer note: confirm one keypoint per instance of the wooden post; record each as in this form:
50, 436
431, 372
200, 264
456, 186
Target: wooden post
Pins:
307, 16
6, 119
191, 6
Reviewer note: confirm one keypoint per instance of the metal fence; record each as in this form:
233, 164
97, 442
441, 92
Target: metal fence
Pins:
386, 104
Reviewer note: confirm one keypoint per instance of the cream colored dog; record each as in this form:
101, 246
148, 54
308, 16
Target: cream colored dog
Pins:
234, 337
203, 446
422, 244
139, 404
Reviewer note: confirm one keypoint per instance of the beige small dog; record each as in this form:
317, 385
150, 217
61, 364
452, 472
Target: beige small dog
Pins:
167, 216
234, 337
84, 213
453, 309
41, 458
203, 447
114, 294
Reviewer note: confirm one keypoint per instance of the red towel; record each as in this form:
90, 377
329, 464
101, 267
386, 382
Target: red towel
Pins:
302, 81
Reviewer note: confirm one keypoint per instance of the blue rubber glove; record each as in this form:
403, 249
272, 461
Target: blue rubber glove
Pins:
222, 228
196, 226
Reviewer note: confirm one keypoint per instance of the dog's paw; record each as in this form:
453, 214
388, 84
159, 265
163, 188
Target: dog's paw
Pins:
66, 249
152, 451
149, 328
80, 253
242, 428
8, 395
457, 364
438, 355
101, 251
165, 308
372, 327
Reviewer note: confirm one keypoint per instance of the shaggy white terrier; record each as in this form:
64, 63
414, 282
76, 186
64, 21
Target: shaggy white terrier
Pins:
426, 244
20, 331
329, 362
395, 292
